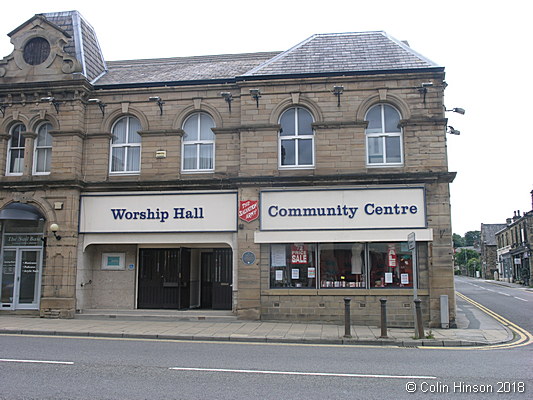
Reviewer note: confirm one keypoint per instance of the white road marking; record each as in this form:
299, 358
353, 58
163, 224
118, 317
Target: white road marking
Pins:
519, 298
253, 371
36, 361
505, 294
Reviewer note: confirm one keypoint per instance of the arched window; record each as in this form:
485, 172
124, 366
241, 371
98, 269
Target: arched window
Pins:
15, 150
43, 149
126, 146
198, 144
296, 139
383, 136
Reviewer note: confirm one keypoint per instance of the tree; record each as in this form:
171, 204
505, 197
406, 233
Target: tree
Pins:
472, 238
458, 241
469, 260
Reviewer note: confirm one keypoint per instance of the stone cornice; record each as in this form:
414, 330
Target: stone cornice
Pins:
423, 121
259, 127
221, 182
99, 135
340, 124
162, 132
78, 133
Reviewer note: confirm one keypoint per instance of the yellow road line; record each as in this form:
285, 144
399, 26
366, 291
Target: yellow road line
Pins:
524, 337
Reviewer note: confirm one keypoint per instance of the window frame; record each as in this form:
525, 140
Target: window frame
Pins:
127, 145
341, 265
36, 147
296, 137
383, 135
197, 143
19, 148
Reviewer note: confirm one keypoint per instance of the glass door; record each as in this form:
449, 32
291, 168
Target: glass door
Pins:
21, 277
8, 278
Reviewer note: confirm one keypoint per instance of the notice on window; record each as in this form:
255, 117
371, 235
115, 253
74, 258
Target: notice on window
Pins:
404, 279
295, 273
388, 277
279, 275
299, 254
311, 272
278, 257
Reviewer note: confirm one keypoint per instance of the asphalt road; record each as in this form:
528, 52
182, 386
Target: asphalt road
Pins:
514, 304
105, 368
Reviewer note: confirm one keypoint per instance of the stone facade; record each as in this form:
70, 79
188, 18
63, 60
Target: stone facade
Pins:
514, 244
246, 161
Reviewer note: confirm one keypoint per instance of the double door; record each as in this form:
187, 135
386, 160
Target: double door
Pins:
181, 278
20, 278
164, 278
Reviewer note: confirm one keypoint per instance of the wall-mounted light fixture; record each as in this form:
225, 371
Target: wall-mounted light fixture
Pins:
256, 95
453, 131
159, 102
101, 104
423, 89
337, 91
450, 129
54, 228
228, 97
457, 110
53, 101
3, 109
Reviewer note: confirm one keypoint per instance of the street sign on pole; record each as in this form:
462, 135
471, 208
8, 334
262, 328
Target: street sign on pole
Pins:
411, 242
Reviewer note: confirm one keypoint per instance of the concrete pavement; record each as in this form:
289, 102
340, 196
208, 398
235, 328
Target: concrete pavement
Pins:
474, 328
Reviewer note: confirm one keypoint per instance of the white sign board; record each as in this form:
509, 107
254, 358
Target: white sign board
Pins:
158, 212
390, 208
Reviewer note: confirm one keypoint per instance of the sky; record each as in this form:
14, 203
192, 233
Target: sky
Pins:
485, 47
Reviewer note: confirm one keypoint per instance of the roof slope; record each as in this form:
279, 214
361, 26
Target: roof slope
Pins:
340, 53
488, 233
182, 69
344, 52
83, 44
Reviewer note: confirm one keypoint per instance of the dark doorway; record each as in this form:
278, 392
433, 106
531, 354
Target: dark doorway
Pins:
165, 279
164, 276
217, 279
222, 279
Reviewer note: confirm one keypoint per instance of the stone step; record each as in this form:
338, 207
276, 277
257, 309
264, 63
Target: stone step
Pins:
159, 315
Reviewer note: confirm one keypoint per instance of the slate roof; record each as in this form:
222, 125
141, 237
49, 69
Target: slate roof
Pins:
488, 233
182, 69
359, 52
324, 54
83, 43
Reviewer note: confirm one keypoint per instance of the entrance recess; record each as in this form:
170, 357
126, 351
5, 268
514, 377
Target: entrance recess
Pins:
21, 275
184, 278
21, 256
164, 278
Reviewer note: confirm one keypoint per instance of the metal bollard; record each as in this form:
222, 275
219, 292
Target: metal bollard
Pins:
347, 325
419, 328
383, 318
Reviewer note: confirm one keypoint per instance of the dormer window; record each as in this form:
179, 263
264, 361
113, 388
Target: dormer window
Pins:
36, 51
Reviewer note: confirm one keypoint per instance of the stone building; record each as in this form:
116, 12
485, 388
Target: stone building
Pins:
515, 241
488, 248
271, 184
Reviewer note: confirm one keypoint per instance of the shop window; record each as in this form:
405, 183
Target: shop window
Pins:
293, 266
198, 149
390, 265
126, 146
296, 139
383, 136
341, 265
15, 150
43, 150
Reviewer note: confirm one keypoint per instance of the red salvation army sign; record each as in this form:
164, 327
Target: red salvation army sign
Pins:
248, 210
